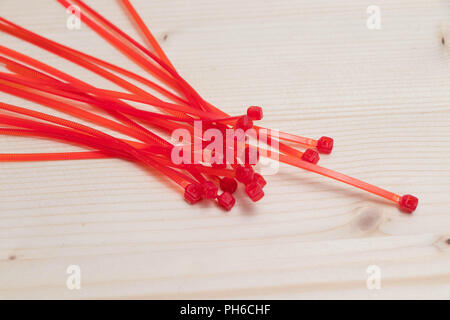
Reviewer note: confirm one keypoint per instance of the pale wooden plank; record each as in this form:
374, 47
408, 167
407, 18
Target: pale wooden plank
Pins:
316, 69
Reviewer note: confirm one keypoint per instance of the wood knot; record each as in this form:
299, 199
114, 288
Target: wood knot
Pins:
444, 34
443, 243
368, 219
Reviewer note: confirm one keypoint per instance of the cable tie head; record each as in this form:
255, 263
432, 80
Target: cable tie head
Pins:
244, 174
209, 190
228, 185
193, 193
259, 179
244, 123
325, 145
226, 200
311, 156
254, 191
408, 203
255, 113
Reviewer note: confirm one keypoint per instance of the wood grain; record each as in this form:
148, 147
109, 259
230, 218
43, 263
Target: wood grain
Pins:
384, 95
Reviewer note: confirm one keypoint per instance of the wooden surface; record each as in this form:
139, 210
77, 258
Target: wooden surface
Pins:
316, 69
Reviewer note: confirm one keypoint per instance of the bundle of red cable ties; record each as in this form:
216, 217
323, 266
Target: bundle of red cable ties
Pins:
201, 165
